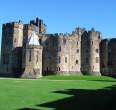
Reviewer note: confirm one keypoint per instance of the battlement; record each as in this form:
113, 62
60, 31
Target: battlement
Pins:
33, 51
31, 27
40, 24
13, 25
113, 40
93, 31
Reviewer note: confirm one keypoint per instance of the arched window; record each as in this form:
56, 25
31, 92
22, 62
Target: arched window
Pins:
37, 58
65, 59
40, 41
58, 69
91, 42
77, 43
77, 61
77, 50
58, 59
97, 50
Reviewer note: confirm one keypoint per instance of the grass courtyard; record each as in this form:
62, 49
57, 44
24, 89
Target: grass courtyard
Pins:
58, 93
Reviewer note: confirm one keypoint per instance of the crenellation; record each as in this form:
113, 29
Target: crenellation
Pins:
29, 52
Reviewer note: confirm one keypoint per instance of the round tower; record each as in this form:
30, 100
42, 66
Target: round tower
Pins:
112, 57
93, 57
104, 56
32, 58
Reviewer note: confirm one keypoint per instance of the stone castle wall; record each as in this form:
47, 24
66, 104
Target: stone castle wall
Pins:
90, 52
108, 57
80, 52
32, 62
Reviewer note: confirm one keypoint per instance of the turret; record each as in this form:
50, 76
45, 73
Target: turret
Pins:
104, 56
32, 58
39, 23
12, 36
93, 54
112, 57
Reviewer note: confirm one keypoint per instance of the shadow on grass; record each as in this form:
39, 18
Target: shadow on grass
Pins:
82, 99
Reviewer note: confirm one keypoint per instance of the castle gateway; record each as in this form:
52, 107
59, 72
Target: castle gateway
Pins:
29, 52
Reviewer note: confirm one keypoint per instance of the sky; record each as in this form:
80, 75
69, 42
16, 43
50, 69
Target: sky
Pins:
63, 15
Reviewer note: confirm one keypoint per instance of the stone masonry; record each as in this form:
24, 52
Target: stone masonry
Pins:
27, 51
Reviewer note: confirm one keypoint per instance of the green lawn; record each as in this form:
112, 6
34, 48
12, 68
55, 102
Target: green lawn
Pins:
58, 93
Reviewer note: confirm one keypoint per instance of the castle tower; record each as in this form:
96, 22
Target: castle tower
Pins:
35, 26
104, 56
32, 58
40, 24
12, 36
112, 57
93, 52
75, 51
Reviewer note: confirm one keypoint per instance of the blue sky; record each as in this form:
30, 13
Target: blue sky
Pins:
63, 15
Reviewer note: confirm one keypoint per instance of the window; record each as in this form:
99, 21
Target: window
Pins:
77, 50
58, 69
58, 59
97, 50
99, 37
29, 55
91, 42
40, 41
77, 61
37, 59
97, 59
77, 43
65, 59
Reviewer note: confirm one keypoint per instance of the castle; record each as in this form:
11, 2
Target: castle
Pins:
28, 52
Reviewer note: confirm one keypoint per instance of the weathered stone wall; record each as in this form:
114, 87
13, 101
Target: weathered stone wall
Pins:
77, 52
91, 52
84, 52
6, 48
11, 47
17, 48
112, 57
74, 52
108, 57
61, 53
104, 56
32, 62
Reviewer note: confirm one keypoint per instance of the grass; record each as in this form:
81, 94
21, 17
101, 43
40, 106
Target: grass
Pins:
58, 93
74, 77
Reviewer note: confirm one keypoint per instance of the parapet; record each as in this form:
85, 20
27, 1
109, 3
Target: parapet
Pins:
113, 40
13, 24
